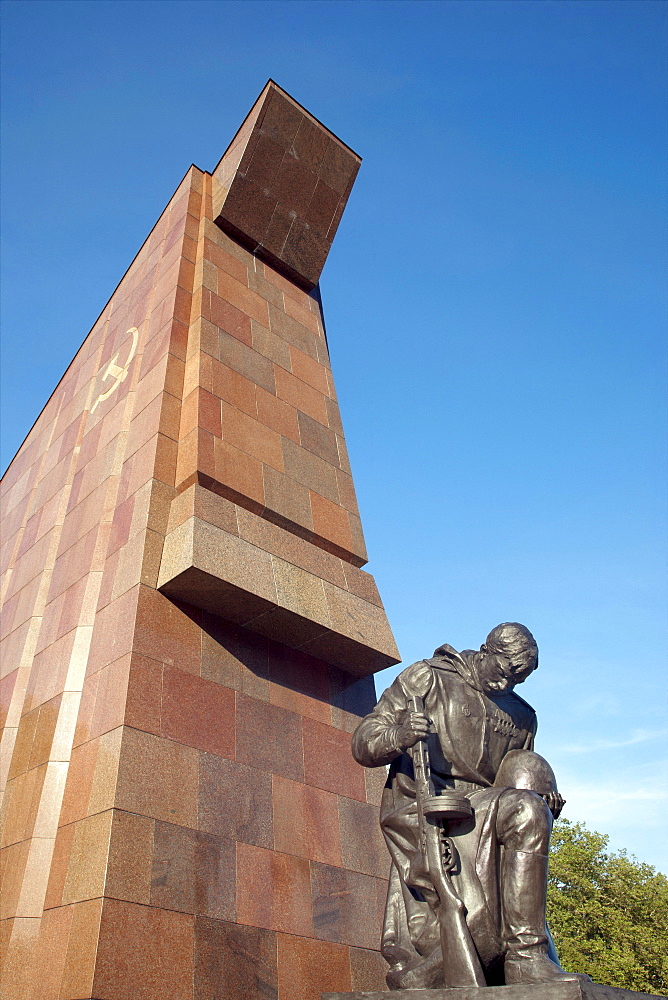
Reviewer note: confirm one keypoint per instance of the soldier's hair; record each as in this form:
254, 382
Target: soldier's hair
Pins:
511, 639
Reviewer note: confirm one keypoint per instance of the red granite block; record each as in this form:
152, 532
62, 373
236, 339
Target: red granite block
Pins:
129, 864
110, 698
273, 891
227, 316
246, 361
75, 563
277, 414
344, 461
271, 346
289, 289
268, 534
310, 470
208, 412
346, 490
157, 778
44, 965
235, 389
234, 657
300, 311
328, 762
181, 312
351, 698
286, 154
166, 453
80, 777
120, 528
252, 437
198, 712
363, 848
265, 160
42, 742
91, 778
195, 452
287, 498
88, 858
259, 284
305, 821
240, 472
193, 872
167, 632
77, 976
300, 395
309, 370
338, 169
279, 226
293, 332
137, 470
64, 613
6, 690
249, 204
323, 207
23, 746
49, 671
269, 737
359, 545
308, 968
82, 732
224, 260
306, 247
234, 961
235, 801
31, 799
347, 906
12, 868
318, 439
144, 953
243, 298
299, 683
30, 532
331, 522
362, 584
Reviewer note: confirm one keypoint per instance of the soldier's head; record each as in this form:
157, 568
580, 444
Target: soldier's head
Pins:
508, 656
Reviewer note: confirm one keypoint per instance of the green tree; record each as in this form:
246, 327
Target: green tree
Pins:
608, 912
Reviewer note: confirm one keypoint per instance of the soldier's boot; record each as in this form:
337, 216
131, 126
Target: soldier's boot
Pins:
530, 955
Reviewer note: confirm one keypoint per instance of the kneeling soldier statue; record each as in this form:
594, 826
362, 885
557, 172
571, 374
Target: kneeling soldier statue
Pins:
467, 814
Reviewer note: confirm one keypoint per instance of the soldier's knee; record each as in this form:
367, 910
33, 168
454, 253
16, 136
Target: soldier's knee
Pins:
524, 821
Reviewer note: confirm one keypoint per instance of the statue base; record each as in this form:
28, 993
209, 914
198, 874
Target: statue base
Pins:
539, 991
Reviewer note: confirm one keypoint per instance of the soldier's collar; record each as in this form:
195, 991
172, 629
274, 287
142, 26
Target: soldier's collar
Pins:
447, 658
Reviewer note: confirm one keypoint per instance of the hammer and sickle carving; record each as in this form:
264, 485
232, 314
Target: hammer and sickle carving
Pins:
115, 371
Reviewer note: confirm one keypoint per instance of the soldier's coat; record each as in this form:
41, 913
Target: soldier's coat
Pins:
473, 731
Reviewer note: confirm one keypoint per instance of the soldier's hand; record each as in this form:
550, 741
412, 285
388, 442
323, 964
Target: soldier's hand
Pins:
555, 803
414, 726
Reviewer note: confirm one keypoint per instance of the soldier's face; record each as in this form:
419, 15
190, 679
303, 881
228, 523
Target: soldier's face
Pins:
499, 673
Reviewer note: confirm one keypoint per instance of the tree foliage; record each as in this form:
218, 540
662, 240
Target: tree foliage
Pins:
608, 912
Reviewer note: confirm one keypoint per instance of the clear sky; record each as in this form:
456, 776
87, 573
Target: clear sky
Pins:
495, 303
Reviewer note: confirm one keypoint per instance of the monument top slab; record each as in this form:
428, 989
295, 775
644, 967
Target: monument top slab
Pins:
282, 185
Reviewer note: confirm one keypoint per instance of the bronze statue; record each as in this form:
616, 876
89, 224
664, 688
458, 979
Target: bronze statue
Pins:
467, 813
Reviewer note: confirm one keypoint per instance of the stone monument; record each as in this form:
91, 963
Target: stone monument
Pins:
467, 814
189, 635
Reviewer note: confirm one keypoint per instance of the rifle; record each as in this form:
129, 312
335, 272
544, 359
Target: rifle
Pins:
461, 964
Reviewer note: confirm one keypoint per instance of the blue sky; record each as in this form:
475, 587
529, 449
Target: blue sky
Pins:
495, 303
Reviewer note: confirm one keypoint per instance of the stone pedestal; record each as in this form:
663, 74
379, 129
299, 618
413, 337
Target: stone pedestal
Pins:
555, 991
190, 636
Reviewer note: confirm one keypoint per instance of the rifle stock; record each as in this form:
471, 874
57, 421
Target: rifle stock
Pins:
461, 964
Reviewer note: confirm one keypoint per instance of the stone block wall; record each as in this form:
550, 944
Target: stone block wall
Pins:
189, 637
